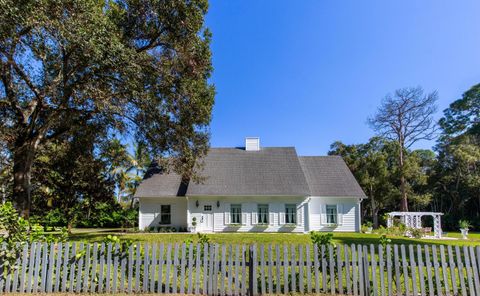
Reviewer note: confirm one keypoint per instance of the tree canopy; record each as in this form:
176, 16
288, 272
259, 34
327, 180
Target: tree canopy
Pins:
126, 67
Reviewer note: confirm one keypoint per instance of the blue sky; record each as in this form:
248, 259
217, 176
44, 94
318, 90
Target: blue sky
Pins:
308, 73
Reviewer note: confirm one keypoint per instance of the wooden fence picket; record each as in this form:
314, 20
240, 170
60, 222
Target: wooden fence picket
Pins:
444, 270
175, 268
475, 270
23, 271
354, 270
453, 272
347, 269
374, 270
309, 269
293, 269
263, 287
102, 266
332, 269
389, 270
436, 271
270, 269
413, 268
420, 270
461, 273
471, 289
316, 269
278, 269
130, 268
153, 267
190, 268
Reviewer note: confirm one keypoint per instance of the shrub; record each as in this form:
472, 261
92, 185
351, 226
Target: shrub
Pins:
384, 241
322, 239
54, 218
416, 232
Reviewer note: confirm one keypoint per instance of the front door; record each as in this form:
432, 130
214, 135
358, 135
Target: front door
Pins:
206, 220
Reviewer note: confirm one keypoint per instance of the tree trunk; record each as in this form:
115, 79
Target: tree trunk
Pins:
23, 158
403, 181
375, 218
373, 208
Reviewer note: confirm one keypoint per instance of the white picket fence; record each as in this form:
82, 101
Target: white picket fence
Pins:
243, 270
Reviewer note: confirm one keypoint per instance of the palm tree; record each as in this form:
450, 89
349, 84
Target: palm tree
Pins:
139, 160
127, 169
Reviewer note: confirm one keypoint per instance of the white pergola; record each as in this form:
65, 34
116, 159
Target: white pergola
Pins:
414, 220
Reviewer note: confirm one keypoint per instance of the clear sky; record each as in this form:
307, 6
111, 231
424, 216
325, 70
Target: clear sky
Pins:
308, 73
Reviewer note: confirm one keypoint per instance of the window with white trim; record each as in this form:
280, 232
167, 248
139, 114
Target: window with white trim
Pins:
263, 214
165, 214
331, 212
236, 214
290, 214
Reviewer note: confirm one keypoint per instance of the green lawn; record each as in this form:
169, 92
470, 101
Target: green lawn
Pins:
97, 235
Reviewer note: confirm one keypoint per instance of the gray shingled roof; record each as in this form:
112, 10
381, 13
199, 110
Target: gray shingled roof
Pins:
156, 184
329, 176
268, 172
234, 171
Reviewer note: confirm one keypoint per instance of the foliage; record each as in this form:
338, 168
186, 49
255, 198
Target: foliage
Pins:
415, 232
464, 224
111, 239
321, 239
375, 166
384, 241
110, 214
18, 233
203, 238
137, 68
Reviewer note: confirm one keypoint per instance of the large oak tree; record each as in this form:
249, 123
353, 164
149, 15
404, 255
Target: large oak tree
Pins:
130, 66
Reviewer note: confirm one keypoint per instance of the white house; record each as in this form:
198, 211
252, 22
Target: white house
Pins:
255, 189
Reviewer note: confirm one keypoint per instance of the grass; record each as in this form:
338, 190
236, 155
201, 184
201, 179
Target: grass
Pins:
97, 235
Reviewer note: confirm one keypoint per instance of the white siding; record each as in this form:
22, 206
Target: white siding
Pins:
308, 213
348, 215
149, 212
249, 209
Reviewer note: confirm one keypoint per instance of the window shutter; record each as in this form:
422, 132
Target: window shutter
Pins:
339, 214
172, 212
300, 216
271, 218
227, 213
281, 217
255, 214
323, 214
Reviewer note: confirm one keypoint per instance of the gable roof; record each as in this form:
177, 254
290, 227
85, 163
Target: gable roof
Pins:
330, 176
273, 171
235, 171
156, 183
